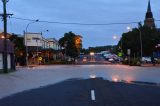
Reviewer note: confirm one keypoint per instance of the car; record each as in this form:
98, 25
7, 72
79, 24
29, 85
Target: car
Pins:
111, 60
146, 59
84, 59
107, 56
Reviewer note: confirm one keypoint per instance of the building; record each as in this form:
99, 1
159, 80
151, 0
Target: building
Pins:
33, 41
149, 20
2, 35
10, 55
53, 44
38, 46
54, 48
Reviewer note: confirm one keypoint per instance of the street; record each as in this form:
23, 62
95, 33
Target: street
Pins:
81, 85
88, 92
95, 59
79, 53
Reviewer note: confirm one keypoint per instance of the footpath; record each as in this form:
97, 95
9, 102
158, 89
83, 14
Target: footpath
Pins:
29, 78
150, 65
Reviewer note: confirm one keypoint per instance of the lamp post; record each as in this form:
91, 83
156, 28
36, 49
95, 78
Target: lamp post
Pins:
122, 45
26, 31
65, 45
40, 39
140, 37
44, 31
141, 45
115, 39
129, 50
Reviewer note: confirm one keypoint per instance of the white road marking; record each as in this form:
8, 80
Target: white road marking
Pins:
93, 95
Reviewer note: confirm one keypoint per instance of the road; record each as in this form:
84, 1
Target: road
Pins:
88, 92
81, 85
95, 59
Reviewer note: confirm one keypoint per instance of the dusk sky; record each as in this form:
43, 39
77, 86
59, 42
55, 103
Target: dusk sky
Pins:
80, 11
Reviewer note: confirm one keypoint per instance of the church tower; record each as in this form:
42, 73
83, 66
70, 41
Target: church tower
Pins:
149, 20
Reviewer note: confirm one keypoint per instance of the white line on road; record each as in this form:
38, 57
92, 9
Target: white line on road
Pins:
93, 95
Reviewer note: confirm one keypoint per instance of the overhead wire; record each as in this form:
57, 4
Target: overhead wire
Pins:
86, 24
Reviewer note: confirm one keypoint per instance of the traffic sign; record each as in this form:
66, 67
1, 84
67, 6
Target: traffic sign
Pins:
40, 58
120, 54
128, 51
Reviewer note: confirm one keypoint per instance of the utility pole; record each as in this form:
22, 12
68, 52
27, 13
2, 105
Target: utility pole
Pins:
141, 44
5, 15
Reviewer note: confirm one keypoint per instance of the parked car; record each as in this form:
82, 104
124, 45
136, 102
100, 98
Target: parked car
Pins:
84, 59
107, 56
146, 59
111, 60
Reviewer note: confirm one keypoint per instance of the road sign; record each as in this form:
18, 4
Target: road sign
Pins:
128, 51
40, 58
120, 54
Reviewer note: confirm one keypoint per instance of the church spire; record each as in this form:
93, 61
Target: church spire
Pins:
149, 6
149, 20
149, 12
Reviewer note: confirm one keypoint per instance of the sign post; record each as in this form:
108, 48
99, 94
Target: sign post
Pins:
129, 55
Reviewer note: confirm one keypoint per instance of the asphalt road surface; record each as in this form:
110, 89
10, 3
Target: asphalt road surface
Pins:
96, 59
87, 92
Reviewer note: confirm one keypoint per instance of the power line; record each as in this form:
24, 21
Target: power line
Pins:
87, 24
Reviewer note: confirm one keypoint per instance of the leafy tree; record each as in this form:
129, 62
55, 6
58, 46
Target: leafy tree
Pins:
131, 40
72, 44
19, 48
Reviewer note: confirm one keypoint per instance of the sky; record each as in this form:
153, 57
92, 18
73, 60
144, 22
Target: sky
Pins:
79, 11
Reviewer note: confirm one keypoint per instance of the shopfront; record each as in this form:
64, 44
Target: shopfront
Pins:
10, 55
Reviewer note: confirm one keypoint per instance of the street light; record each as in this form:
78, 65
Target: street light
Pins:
41, 32
92, 56
31, 23
121, 45
129, 50
65, 45
26, 31
140, 37
114, 37
44, 31
129, 28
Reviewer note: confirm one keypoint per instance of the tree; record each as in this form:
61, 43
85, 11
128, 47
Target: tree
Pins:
19, 48
72, 44
131, 40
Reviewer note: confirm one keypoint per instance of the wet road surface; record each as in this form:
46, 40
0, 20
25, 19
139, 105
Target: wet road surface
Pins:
87, 92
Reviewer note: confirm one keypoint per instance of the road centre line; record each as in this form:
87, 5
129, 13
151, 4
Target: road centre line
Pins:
93, 95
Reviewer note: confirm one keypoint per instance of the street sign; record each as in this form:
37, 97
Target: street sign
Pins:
40, 58
128, 51
120, 54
